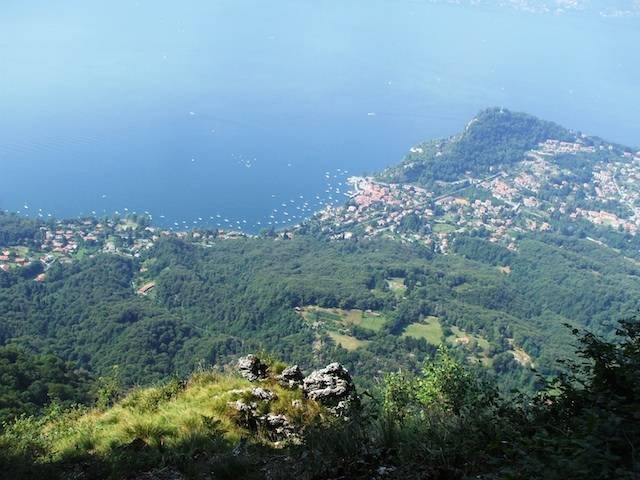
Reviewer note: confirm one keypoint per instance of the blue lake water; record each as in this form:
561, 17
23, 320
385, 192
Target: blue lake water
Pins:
194, 109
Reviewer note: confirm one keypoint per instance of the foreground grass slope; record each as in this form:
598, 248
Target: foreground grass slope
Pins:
444, 423
190, 425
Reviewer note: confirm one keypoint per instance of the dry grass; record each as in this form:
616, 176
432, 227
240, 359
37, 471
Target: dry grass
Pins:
347, 342
173, 417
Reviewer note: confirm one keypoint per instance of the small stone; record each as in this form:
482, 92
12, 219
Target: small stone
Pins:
242, 407
277, 427
238, 391
246, 414
263, 394
383, 471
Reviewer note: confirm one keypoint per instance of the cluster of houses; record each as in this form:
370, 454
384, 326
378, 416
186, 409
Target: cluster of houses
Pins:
616, 182
601, 217
113, 236
10, 258
61, 241
380, 208
556, 147
507, 203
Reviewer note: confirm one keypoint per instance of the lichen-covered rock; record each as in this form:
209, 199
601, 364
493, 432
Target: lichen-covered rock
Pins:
291, 377
251, 368
263, 394
332, 387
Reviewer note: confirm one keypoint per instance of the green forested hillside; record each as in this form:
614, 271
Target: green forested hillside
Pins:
211, 304
494, 138
30, 382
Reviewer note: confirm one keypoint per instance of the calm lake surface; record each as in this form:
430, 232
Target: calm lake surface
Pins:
190, 110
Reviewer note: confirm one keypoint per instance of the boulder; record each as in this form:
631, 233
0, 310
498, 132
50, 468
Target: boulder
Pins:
251, 368
291, 377
332, 387
384, 471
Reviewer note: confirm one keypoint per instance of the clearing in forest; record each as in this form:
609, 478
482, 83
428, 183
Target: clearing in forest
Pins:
337, 318
430, 329
397, 286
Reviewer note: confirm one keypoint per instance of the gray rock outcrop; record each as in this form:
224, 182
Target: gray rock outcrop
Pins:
291, 377
332, 387
251, 368
247, 414
263, 394
272, 426
278, 427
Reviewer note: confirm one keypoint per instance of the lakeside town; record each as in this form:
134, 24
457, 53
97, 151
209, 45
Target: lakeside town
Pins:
65, 240
531, 195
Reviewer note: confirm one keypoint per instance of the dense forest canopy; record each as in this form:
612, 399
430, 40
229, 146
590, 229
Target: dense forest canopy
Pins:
30, 382
494, 138
16, 229
211, 304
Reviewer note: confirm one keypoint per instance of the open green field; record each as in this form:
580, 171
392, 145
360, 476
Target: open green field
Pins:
335, 318
334, 321
430, 329
347, 342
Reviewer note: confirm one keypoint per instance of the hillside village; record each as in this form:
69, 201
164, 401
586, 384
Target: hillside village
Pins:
528, 196
63, 240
